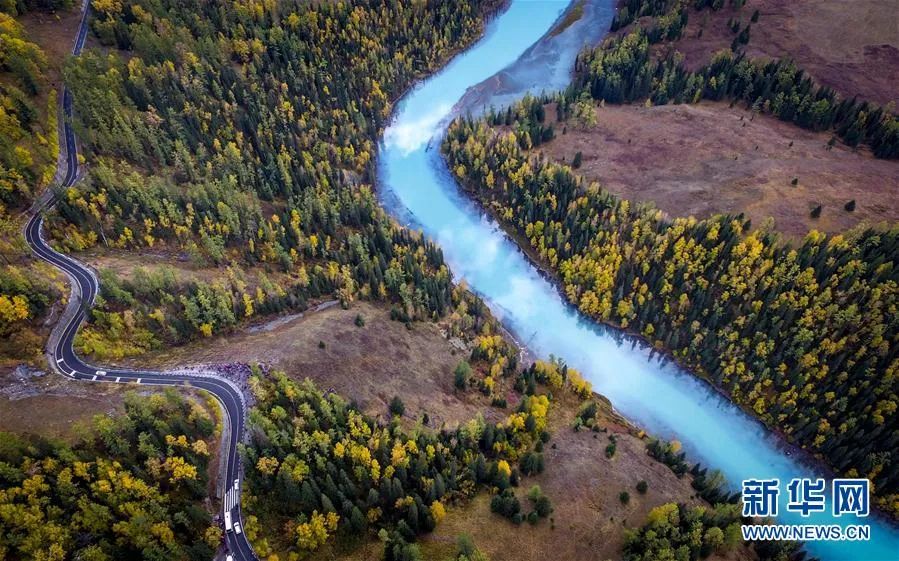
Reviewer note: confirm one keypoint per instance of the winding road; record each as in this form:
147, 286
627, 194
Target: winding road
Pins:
63, 359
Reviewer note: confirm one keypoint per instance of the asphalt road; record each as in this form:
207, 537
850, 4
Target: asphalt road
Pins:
64, 359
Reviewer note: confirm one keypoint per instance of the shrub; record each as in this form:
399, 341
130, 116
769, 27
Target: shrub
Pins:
462, 374
542, 506
397, 407
506, 504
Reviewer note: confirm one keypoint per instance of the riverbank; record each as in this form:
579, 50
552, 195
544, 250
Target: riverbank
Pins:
815, 463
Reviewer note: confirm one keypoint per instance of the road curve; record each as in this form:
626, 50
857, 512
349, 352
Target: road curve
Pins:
61, 353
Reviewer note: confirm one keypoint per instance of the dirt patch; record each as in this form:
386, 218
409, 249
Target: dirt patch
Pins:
55, 34
710, 158
368, 364
55, 416
854, 50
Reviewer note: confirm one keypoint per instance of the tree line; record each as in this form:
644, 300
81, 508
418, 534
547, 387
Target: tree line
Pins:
20, 7
624, 70
28, 152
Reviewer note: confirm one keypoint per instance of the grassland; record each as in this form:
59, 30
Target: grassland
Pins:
710, 158
854, 50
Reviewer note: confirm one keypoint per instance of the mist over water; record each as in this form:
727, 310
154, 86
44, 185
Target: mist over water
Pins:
416, 187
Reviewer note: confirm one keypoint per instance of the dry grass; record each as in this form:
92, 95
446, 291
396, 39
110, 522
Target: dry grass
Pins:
851, 48
710, 158
55, 416
124, 263
50, 405
368, 364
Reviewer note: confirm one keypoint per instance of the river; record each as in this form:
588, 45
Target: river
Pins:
517, 55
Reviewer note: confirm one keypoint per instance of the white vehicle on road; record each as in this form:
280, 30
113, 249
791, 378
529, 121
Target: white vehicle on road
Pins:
237, 529
228, 522
101, 373
236, 484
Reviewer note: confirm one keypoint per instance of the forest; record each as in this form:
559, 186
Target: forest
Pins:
322, 470
803, 336
242, 135
131, 487
28, 151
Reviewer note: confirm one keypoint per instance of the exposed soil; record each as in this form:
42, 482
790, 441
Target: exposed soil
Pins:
55, 34
710, 158
369, 364
53, 407
851, 47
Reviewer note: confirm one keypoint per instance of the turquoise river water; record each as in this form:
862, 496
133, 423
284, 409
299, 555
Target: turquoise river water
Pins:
516, 55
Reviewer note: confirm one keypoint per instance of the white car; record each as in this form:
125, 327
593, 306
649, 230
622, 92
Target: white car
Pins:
236, 484
101, 373
229, 557
237, 529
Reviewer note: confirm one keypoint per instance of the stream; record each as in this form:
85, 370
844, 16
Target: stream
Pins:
519, 54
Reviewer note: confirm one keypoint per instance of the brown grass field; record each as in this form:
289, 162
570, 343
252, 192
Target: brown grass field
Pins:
710, 158
852, 47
